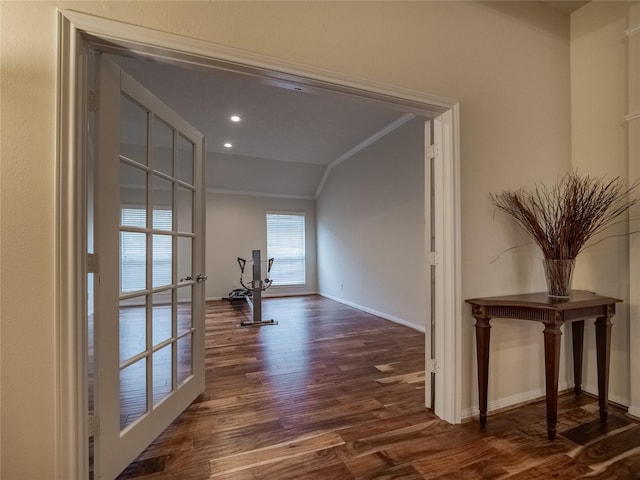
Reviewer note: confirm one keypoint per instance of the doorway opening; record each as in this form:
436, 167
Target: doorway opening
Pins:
77, 31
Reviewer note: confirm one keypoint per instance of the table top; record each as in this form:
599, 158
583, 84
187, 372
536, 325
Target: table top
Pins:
578, 299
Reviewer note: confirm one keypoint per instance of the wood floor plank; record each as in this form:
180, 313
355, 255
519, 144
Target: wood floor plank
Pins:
275, 454
455, 459
610, 447
625, 468
332, 393
485, 469
558, 467
587, 432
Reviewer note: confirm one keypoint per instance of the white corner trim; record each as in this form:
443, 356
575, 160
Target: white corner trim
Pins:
361, 146
323, 180
634, 411
632, 116
633, 30
222, 191
377, 313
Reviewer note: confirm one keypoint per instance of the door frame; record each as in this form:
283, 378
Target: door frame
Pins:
76, 31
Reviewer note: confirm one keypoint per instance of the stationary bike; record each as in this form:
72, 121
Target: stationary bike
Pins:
252, 293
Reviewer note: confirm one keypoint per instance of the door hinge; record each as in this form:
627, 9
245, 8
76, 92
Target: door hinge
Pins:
432, 151
433, 258
92, 263
432, 366
93, 425
93, 100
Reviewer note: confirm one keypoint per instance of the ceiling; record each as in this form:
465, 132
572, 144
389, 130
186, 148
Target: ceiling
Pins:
288, 135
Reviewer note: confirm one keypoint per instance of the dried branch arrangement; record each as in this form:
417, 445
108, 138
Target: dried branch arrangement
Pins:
562, 219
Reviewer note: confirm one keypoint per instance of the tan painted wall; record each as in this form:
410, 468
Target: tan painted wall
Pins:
508, 64
236, 225
599, 147
634, 241
367, 200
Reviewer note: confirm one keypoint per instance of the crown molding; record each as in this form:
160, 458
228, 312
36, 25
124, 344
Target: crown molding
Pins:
361, 146
222, 191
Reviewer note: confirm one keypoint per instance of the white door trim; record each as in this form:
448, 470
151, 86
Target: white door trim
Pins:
75, 31
71, 427
448, 295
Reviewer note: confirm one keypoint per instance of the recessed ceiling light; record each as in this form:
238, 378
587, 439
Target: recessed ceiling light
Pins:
235, 118
228, 145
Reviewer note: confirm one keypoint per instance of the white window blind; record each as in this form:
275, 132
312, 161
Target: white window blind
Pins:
285, 244
133, 250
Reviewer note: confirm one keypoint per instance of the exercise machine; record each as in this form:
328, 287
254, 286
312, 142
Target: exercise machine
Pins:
252, 293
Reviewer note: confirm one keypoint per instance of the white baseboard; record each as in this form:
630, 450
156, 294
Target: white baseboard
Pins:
634, 411
521, 398
512, 401
267, 295
375, 312
275, 294
593, 390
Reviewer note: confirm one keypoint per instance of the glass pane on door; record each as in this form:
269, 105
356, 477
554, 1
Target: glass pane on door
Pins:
162, 260
162, 204
133, 261
133, 393
185, 358
185, 160
133, 196
185, 309
162, 147
133, 130
185, 210
162, 373
161, 317
133, 327
185, 251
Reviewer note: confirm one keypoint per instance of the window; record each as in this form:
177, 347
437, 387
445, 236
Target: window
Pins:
285, 244
133, 250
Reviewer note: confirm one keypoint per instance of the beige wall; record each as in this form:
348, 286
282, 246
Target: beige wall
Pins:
634, 173
371, 228
507, 63
599, 147
236, 225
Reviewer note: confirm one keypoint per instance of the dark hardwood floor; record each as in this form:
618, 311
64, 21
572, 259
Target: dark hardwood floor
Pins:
331, 393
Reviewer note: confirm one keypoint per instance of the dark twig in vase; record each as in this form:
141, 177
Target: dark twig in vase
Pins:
561, 220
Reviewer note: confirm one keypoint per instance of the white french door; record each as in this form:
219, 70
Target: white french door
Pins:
149, 286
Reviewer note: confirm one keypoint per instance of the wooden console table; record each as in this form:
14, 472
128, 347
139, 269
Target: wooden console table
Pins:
553, 313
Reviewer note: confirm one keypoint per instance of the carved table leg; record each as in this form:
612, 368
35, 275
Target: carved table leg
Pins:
483, 330
603, 350
552, 336
577, 330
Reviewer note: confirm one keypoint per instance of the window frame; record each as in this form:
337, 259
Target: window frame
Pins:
302, 214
